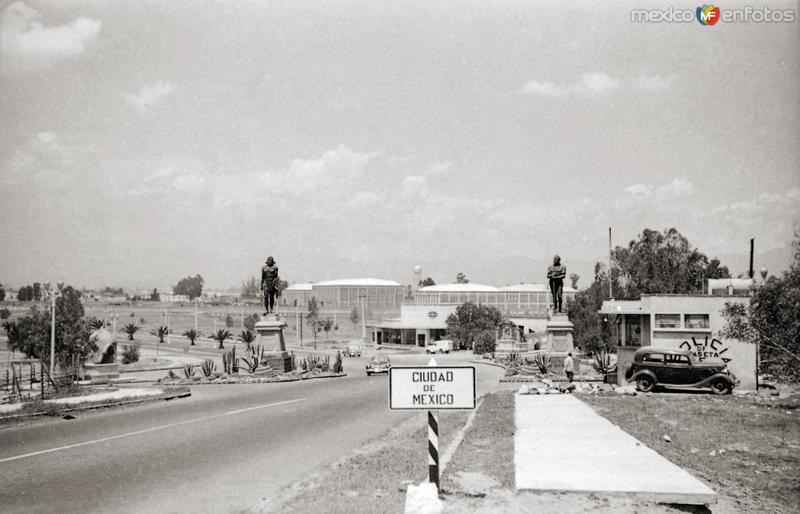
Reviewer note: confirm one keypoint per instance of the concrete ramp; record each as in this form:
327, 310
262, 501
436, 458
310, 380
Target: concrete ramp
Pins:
562, 445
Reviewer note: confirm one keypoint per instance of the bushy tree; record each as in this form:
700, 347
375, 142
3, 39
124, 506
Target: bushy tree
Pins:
461, 278
154, 296
190, 286
30, 334
250, 321
425, 282
591, 331
772, 320
355, 317
663, 263
2, 293
228, 321
469, 320
5, 313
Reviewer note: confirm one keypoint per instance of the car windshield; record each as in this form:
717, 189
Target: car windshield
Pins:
379, 359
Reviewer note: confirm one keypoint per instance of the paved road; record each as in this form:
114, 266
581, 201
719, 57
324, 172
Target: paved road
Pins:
224, 449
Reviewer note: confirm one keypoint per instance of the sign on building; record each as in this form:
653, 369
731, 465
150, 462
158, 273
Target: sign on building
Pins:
431, 387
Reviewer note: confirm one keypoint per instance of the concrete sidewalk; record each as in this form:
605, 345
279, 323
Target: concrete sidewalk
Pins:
562, 445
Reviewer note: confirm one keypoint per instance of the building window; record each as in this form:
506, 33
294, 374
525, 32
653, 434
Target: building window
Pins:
696, 321
653, 357
668, 320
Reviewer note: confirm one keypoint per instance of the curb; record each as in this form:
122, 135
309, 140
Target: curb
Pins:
143, 399
256, 382
496, 365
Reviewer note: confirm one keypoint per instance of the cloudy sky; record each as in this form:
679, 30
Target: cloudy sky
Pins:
142, 141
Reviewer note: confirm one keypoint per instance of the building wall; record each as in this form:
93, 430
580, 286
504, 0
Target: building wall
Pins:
342, 296
522, 304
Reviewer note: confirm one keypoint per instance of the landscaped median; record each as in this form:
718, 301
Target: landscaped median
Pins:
107, 397
712, 437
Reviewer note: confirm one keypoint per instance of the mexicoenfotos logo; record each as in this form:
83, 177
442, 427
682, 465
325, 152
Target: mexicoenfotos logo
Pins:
707, 14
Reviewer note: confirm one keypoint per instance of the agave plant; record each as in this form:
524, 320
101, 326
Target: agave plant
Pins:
543, 362
252, 358
208, 367
130, 329
247, 337
221, 336
188, 370
192, 334
602, 363
96, 324
160, 332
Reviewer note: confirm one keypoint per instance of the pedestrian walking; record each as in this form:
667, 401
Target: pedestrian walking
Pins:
569, 367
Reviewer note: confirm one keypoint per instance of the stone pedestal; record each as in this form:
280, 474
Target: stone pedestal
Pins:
100, 373
558, 334
270, 336
509, 340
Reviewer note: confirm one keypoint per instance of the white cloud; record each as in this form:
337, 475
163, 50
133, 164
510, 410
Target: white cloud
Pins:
597, 84
47, 137
27, 43
163, 171
764, 201
189, 183
653, 82
677, 188
415, 186
440, 168
335, 169
150, 95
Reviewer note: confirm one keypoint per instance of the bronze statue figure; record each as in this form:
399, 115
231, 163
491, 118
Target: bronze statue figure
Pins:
269, 284
555, 276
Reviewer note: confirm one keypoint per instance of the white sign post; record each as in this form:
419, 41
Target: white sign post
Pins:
432, 388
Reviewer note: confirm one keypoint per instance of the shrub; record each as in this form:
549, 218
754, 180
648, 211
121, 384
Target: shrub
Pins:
337, 366
543, 362
230, 363
252, 358
602, 363
188, 370
130, 353
5, 313
208, 367
484, 342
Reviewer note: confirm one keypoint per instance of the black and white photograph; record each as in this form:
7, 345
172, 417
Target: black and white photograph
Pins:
420, 257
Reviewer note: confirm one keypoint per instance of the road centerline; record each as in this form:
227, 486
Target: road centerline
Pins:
147, 430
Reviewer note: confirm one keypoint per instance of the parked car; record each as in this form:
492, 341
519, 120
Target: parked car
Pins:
440, 346
378, 364
354, 349
678, 369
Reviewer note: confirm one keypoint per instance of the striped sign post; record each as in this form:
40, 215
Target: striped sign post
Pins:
432, 388
433, 448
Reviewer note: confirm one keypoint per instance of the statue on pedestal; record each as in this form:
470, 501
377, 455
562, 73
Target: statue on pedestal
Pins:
269, 284
555, 276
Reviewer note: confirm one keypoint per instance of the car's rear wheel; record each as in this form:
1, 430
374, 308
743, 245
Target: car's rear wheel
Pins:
645, 383
720, 386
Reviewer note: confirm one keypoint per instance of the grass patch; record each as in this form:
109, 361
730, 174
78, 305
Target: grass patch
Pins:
747, 448
374, 478
488, 446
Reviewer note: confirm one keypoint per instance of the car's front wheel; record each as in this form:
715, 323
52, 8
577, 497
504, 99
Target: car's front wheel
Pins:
645, 383
720, 386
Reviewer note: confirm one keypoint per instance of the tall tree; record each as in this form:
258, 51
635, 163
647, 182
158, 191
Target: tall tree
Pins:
663, 263
154, 296
190, 286
471, 321
312, 317
354, 317
2, 293
461, 278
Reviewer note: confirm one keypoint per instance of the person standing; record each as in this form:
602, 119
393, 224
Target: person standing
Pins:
269, 284
569, 367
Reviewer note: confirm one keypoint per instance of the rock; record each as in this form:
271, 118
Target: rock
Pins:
629, 390
523, 389
712, 453
694, 450
423, 499
666, 438
566, 388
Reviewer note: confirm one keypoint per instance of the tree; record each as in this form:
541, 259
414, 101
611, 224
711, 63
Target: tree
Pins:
251, 288
250, 321
131, 329
154, 296
247, 337
469, 320
192, 335
772, 321
5, 313
591, 332
574, 277
312, 318
160, 332
2, 293
327, 325
25, 294
461, 278
190, 286
354, 317
30, 334
228, 321
663, 263
425, 282
37, 291
221, 336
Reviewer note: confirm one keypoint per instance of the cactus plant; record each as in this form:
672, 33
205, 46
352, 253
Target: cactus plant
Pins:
543, 362
208, 367
188, 370
230, 363
602, 363
252, 358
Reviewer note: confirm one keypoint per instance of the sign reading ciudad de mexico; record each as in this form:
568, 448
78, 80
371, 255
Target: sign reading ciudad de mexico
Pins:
431, 387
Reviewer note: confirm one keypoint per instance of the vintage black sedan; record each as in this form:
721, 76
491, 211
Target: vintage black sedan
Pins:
678, 369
